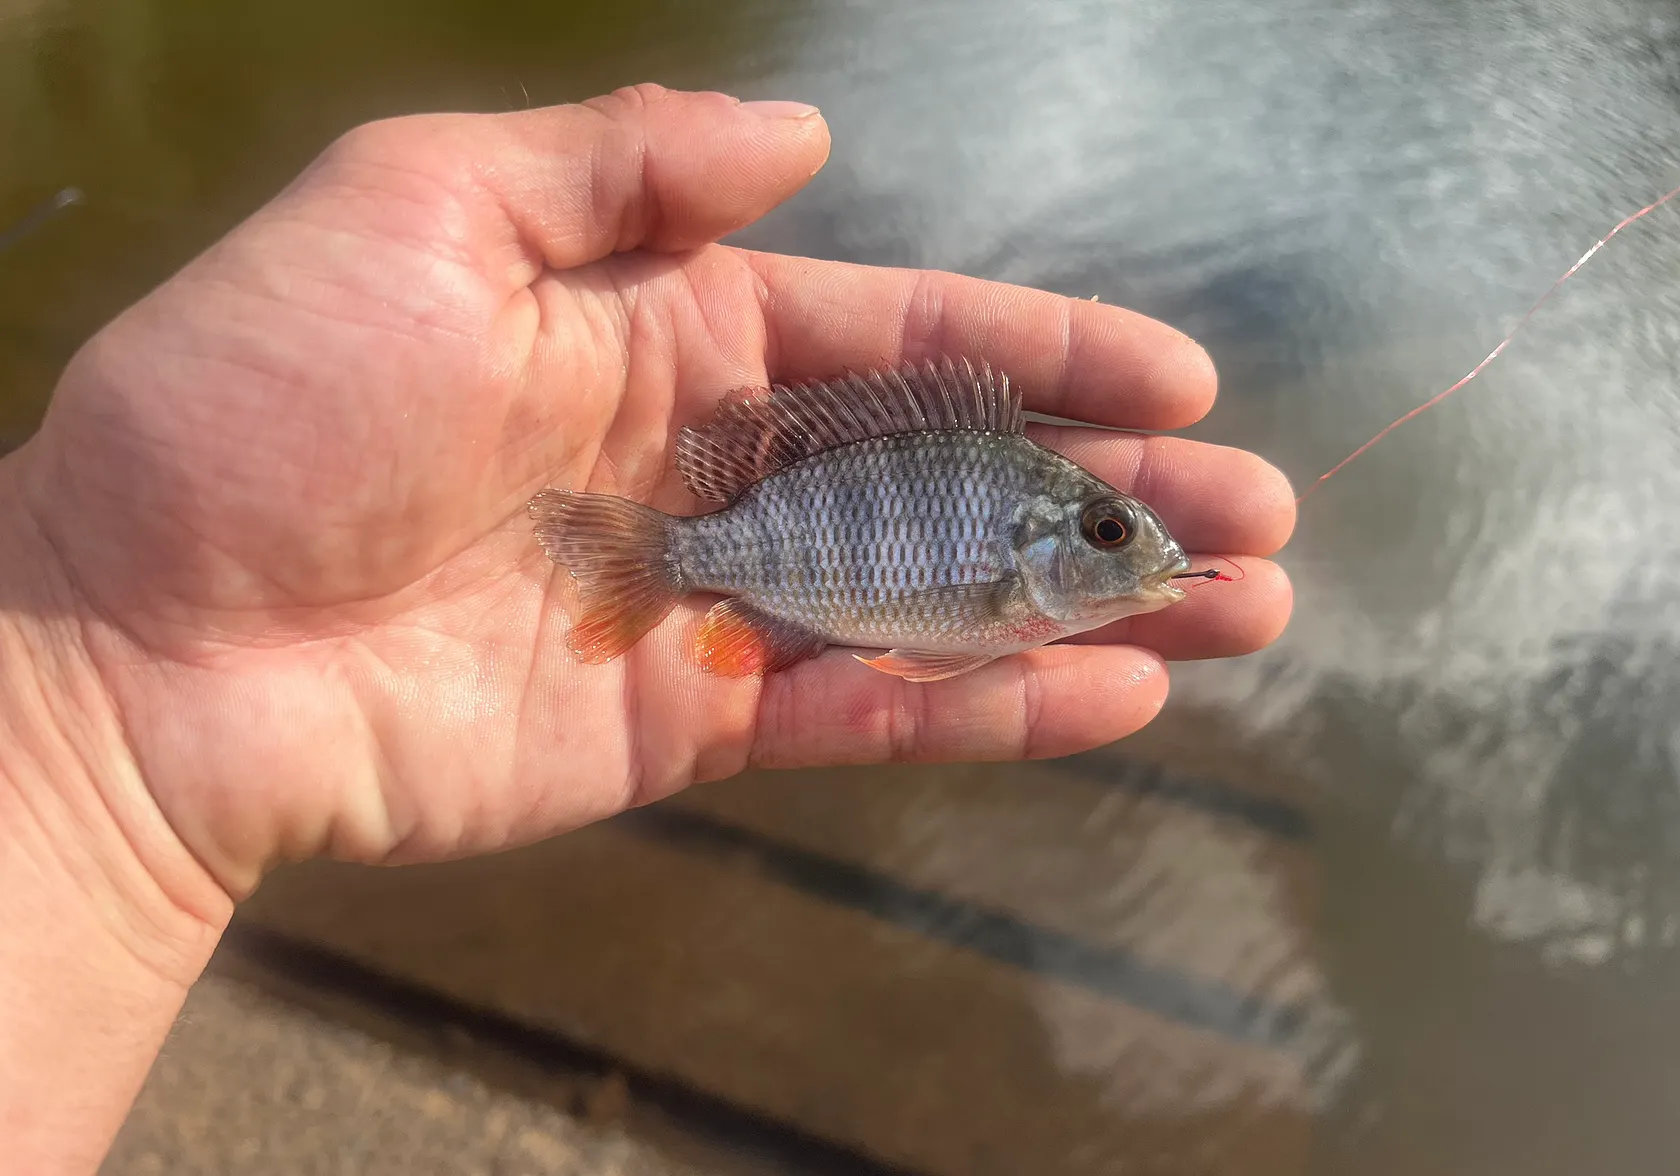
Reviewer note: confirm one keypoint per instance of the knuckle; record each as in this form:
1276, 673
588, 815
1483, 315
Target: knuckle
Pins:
922, 333
438, 145
425, 171
630, 99
373, 141
620, 199
776, 728
1154, 466
1031, 711
907, 724
1068, 351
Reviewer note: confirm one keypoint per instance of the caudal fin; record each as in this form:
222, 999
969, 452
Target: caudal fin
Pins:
619, 552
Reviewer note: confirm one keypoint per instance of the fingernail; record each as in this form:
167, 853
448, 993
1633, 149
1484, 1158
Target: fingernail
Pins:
779, 109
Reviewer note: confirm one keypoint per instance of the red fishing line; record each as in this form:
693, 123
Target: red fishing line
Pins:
1492, 355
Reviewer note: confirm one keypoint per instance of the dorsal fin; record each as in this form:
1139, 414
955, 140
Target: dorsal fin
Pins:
754, 435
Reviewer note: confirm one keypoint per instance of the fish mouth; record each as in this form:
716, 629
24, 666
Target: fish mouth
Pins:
1161, 586
1163, 589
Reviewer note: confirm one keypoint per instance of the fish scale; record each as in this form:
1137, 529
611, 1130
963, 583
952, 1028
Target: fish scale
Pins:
900, 510
849, 541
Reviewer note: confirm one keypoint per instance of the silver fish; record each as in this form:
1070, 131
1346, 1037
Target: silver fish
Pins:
899, 510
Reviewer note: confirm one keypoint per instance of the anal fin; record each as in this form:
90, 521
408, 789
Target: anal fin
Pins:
736, 640
920, 665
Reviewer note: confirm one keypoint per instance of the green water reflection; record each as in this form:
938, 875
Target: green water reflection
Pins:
177, 117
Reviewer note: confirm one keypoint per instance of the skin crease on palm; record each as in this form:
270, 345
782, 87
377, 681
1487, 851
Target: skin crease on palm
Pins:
285, 492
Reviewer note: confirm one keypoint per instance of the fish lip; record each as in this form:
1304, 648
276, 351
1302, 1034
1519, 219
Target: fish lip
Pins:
1163, 578
1160, 584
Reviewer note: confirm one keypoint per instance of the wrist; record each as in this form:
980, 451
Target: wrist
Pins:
106, 919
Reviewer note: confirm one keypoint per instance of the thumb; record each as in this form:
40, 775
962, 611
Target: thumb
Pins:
669, 170
642, 168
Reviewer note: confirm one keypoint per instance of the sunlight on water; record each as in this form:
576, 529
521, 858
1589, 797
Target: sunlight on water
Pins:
1348, 206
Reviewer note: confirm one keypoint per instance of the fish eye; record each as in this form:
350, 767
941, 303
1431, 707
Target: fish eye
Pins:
1107, 524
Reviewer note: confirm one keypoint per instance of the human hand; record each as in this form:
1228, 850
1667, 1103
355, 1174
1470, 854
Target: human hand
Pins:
286, 490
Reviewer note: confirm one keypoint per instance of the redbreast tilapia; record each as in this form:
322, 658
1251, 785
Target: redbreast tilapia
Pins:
904, 511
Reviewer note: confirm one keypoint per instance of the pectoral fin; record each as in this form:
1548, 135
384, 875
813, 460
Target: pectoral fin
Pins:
920, 665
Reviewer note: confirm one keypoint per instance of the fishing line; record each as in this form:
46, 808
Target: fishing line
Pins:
1492, 355
39, 217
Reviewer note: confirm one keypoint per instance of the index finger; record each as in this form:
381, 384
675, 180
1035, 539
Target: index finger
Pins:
1076, 359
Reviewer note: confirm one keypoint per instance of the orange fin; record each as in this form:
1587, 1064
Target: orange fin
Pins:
736, 640
619, 553
753, 435
920, 665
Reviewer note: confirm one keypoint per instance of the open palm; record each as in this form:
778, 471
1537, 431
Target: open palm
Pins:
288, 487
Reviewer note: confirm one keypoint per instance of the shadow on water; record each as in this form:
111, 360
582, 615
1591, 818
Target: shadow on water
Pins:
1473, 709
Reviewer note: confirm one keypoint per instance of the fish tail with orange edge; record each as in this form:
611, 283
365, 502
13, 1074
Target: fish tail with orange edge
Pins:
620, 554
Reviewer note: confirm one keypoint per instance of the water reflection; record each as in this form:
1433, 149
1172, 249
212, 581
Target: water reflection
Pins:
177, 117
1348, 205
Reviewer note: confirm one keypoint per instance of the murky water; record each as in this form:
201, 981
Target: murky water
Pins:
1348, 204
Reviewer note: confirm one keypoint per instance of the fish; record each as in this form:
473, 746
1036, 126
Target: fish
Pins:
899, 511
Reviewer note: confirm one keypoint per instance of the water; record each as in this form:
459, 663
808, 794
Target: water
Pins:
1348, 205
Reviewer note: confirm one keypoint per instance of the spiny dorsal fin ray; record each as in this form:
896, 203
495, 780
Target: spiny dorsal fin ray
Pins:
753, 436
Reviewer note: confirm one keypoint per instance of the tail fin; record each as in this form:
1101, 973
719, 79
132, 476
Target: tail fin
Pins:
619, 553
